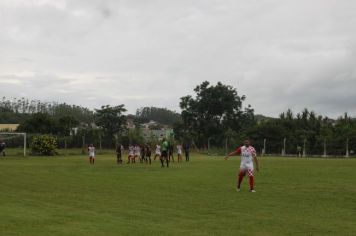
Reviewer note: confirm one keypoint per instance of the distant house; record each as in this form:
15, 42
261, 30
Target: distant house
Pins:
8, 127
130, 124
156, 134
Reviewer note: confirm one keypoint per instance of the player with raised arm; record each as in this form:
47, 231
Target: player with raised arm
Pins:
248, 155
91, 154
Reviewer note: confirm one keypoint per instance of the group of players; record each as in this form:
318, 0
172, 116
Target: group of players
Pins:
143, 153
164, 152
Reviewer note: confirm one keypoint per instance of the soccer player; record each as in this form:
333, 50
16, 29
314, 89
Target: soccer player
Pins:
137, 152
248, 155
158, 152
164, 156
148, 154
143, 153
2, 148
91, 153
131, 154
179, 152
186, 151
119, 151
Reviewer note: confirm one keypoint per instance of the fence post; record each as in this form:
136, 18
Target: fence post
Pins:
324, 155
83, 145
304, 148
226, 146
264, 147
284, 147
347, 147
24, 144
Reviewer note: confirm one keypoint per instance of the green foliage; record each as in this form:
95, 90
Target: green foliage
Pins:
160, 115
44, 145
111, 120
16, 111
41, 123
305, 126
214, 110
66, 124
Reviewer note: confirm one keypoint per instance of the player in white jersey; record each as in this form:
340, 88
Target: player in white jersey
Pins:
158, 152
179, 152
131, 154
91, 154
248, 155
137, 152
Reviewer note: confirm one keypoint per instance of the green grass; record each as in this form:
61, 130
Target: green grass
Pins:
67, 196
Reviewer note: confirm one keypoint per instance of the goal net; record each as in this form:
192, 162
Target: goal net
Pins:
12, 144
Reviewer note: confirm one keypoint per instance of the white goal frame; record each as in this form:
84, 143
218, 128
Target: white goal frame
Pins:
24, 139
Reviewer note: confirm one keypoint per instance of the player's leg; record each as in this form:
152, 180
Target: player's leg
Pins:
161, 158
167, 161
171, 153
251, 178
240, 177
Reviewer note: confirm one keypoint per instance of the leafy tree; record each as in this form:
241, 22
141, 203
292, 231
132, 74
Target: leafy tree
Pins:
66, 124
111, 120
39, 123
213, 110
160, 115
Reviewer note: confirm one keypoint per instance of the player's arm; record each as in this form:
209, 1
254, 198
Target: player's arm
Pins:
236, 152
256, 161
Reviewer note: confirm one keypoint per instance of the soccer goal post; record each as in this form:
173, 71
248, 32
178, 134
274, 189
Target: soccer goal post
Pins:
8, 137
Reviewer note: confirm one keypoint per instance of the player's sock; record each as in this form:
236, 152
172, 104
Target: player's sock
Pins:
251, 183
162, 163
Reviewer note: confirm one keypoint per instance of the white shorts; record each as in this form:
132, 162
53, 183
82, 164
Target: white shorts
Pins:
92, 155
245, 166
158, 153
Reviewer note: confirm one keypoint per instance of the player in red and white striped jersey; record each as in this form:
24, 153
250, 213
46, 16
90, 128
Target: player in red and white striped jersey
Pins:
248, 155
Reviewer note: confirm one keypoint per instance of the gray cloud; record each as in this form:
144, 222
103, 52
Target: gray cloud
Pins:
281, 54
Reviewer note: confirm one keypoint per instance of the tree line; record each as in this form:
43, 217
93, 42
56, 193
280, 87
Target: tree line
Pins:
215, 116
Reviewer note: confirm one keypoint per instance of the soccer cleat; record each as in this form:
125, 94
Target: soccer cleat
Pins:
252, 191
237, 189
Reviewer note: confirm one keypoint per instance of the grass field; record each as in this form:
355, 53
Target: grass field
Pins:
66, 196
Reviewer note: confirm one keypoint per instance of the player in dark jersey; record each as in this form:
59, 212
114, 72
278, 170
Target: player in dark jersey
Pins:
119, 152
164, 156
148, 154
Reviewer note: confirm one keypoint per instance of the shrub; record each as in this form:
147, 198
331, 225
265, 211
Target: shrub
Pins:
44, 145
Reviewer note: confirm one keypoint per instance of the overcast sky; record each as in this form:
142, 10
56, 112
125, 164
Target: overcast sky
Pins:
279, 53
